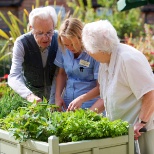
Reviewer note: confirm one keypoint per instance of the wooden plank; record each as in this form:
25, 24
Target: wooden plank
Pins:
131, 140
121, 144
88, 144
8, 148
122, 149
27, 151
54, 145
95, 151
30, 144
36, 145
19, 148
30, 151
4, 135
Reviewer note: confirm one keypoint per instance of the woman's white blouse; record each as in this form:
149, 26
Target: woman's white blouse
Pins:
123, 83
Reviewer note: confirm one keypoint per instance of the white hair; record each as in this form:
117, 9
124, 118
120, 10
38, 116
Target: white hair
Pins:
100, 36
43, 13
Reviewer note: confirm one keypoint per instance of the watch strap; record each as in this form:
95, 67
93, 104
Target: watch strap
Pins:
142, 122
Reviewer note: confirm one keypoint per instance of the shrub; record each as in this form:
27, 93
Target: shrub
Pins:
9, 100
144, 43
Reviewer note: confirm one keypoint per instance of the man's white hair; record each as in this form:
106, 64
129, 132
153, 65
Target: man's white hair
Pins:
100, 36
43, 13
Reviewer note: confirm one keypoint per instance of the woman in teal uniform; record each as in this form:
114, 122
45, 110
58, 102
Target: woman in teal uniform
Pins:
77, 77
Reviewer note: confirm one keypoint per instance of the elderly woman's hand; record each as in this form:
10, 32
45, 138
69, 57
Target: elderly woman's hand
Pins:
137, 128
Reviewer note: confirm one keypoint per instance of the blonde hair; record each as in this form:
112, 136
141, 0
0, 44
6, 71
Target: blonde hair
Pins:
70, 28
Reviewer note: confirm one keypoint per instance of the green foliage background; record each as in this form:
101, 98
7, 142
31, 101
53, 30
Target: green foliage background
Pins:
124, 22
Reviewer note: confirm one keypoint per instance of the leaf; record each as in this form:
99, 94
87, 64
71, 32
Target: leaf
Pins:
39, 133
5, 19
3, 34
14, 19
26, 12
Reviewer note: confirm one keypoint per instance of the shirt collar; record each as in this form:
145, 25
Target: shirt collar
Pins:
111, 66
45, 49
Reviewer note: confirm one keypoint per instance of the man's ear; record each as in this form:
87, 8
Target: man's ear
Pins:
29, 27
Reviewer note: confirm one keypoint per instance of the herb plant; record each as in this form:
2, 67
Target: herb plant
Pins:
9, 100
39, 121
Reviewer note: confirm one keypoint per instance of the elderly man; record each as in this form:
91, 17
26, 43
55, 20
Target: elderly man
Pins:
32, 73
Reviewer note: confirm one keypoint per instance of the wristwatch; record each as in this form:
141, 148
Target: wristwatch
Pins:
141, 121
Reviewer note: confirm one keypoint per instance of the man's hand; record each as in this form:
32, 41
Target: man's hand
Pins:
32, 97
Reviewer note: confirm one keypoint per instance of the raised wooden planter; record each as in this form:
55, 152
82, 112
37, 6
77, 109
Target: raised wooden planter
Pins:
117, 145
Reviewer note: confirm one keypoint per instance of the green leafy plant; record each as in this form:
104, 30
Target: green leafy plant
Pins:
9, 100
39, 121
133, 24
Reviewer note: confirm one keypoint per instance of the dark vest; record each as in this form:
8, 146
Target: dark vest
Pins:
37, 78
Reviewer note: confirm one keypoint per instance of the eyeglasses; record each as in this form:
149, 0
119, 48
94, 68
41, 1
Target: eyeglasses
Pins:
41, 34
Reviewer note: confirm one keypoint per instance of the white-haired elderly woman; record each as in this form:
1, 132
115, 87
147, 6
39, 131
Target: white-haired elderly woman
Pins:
126, 80
32, 71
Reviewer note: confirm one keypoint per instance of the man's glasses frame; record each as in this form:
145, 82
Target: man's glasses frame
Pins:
41, 34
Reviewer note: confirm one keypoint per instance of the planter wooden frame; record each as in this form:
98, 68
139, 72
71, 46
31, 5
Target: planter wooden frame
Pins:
118, 145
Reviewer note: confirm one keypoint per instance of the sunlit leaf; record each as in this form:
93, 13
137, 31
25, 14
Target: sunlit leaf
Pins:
3, 34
